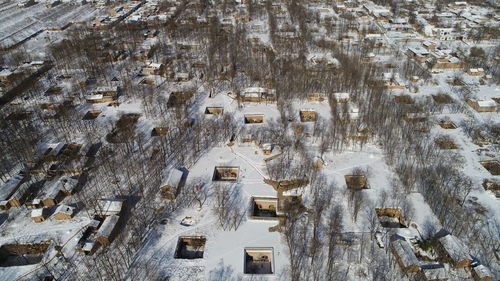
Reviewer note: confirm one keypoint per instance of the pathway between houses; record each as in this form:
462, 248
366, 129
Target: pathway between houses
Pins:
249, 162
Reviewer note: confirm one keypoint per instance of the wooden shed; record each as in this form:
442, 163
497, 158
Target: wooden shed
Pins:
53, 198
98, 98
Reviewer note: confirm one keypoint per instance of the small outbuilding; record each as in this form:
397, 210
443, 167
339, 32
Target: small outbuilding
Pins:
39, 215
64, 212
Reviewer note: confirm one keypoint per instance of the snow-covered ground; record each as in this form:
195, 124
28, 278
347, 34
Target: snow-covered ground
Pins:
223, 256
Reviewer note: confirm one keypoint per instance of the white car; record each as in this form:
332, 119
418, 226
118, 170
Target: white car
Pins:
188, 221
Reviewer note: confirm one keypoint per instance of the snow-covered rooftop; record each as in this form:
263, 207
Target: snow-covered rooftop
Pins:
173, 179
65, 209
107, 226
108, 207
37, 212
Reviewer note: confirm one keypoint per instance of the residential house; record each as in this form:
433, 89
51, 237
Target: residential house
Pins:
392, 81
64, 212
258, 261
190, 247
106, 232
434, 272
39, 215
481, 273
391, 217
226, 173
419, 54
264, 208
171, 187
308, 115
53, 191
254, 118
440, 61
316, 97
483, 105
475, 72
214, 110
152, 68
9, 188
452, 249
404, 255
182, 77
258, 94
341, 97
109, 207
356, 182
